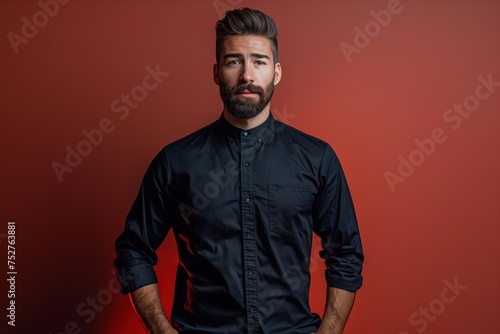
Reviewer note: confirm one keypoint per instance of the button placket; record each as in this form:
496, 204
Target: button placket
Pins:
248, 224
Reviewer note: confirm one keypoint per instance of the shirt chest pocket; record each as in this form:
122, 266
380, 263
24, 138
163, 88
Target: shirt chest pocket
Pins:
290, 209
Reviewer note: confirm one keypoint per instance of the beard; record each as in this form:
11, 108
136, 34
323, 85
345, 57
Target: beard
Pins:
245, 108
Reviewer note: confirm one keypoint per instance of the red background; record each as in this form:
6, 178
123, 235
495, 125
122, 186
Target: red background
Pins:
441, 223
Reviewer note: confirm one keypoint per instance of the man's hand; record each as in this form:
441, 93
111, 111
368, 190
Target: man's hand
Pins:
147, 303
338, 307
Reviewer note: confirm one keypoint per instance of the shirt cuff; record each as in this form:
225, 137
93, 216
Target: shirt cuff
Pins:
134, 277
344, 281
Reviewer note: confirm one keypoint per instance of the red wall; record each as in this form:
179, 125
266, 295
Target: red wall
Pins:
375, 98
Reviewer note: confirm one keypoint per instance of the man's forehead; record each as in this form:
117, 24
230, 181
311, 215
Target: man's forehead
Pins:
246, 43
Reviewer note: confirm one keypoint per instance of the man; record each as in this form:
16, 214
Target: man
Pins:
243, 196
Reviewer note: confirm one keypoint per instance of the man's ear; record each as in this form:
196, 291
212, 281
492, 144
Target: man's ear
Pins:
277, 73
216, 74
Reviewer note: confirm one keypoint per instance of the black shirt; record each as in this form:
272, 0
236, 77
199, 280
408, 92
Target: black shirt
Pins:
243, 205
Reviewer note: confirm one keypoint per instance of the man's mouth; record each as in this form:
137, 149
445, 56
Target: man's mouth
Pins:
246, 92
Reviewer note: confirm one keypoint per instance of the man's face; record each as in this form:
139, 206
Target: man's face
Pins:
246, 75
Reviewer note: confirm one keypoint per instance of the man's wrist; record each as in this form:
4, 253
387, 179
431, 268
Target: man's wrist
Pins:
332, 323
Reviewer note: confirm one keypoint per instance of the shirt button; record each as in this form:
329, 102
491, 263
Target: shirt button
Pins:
245, 133
259, 141
248, 200
248, 234
250, 273
247, 164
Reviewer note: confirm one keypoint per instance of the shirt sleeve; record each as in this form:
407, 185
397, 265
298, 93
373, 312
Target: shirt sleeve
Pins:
335, 223
146, 227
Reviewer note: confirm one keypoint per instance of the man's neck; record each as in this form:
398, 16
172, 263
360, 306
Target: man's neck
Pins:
247, 124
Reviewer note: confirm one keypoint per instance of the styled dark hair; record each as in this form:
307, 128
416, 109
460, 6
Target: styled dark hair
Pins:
246, 21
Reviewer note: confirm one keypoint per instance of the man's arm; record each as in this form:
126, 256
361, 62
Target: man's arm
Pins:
147, 303
336, 225
338, 307
146, 226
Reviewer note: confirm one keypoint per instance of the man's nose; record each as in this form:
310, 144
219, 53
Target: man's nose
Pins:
247, 74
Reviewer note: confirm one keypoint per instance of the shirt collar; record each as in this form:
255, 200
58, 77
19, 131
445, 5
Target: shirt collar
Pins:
260, 132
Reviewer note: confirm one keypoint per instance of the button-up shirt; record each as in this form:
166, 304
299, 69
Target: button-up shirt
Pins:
243, 206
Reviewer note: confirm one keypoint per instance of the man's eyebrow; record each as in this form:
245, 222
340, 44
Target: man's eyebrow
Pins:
240, 55
233, 55
259, 55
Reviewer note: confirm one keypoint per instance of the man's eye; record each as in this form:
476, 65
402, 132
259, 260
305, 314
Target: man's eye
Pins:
260, 62
234, 62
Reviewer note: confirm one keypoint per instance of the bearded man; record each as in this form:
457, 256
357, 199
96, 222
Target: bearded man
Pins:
243, 197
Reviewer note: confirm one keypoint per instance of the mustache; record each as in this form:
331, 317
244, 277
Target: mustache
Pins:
248, 87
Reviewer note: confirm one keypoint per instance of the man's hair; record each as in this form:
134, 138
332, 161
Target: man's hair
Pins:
246, 21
